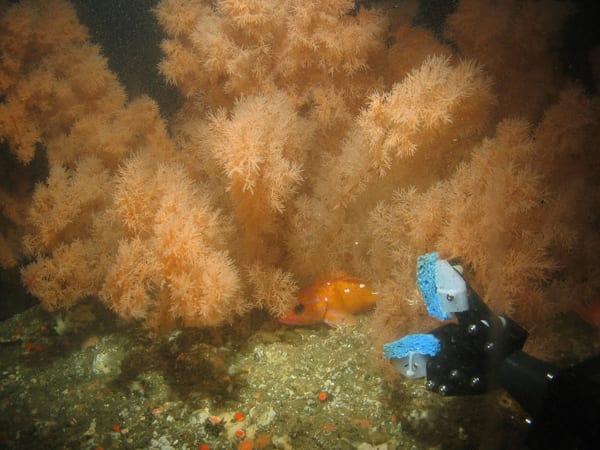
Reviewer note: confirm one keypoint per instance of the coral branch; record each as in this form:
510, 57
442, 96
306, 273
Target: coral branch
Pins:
313, 137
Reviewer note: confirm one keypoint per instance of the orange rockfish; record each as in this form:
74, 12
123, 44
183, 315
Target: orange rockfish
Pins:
332, 301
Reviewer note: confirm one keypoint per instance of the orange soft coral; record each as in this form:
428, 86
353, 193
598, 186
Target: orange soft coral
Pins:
50, 75
504, 214
245, 46
68, 234
521, 57
312, 138
274, 289
173, 267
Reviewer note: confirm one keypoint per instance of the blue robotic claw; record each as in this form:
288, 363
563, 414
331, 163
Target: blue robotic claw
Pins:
442, 287
410, 354
480, 351
455, 357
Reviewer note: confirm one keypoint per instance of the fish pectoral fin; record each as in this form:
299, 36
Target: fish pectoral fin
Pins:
338, 318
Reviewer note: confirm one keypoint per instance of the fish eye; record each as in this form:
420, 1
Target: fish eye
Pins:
299, 308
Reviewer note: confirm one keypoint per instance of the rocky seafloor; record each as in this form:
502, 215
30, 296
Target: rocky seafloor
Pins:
84, 380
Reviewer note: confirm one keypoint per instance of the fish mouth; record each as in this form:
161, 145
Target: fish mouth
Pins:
288, 320
294, 320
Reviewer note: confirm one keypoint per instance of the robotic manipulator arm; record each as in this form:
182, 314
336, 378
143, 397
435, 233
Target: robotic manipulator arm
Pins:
481, 351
